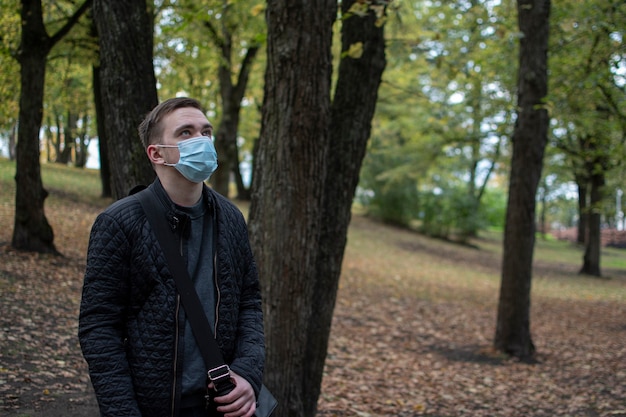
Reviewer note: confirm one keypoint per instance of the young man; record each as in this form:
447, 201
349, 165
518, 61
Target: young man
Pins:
142, 355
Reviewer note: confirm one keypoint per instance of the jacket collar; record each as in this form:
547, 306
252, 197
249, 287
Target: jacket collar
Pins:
176, 218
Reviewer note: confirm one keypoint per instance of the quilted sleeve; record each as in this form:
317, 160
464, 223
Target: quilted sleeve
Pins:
102, 316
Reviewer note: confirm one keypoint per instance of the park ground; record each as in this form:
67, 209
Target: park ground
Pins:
411, 336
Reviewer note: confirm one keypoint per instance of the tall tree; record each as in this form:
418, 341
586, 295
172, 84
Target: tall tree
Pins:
231, 93
352, 110
127, 87
529, 141
235, 34
445, 109
306, 170
103, 149
588, 100
31, 231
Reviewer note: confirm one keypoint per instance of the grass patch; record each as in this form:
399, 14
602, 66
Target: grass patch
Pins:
397, 262
61, 181
391, 260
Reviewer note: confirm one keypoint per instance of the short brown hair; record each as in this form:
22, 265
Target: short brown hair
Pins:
150, 129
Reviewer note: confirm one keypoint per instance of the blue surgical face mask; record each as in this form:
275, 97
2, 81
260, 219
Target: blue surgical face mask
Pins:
198, 158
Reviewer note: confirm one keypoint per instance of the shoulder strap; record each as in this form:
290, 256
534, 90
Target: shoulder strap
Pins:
193, 308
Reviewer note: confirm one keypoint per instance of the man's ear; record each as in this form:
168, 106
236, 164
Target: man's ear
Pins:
154, 154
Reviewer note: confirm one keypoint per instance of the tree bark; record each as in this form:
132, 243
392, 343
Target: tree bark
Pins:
243, 193
12, 144
127, 87
82, 142
583, 213
353, 107
231, 95
69, 131
31, 231
591, 259
529, 140
287, 203
305, 174
105, 171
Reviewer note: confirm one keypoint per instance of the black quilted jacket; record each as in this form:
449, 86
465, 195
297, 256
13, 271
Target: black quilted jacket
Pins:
131, 325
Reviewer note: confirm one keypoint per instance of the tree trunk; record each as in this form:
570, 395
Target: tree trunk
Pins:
591, 259
226, 147
243, 193
305, 174
543, 197
31, 231
529, 141
103, 153
287, 204
583, 213
57, 138
49, 138
68, 138
231, 95
352, 110
127, 87
12, 144
82, 142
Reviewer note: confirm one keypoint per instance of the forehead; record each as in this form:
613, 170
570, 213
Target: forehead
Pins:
185, 117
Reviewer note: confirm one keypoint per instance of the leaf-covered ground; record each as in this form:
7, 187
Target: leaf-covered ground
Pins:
401, 344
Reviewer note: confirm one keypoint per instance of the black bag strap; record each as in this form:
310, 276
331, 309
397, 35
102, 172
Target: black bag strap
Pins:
218, 371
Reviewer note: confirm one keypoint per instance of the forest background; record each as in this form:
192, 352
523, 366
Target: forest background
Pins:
440, 148
440, 143
421, 308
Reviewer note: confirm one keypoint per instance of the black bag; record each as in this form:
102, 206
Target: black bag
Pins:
219, 372
266, 403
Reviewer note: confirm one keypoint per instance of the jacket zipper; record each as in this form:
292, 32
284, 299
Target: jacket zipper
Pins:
176, 335
215, 277
218, 292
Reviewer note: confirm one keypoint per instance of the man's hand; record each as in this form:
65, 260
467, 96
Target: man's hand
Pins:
240, 402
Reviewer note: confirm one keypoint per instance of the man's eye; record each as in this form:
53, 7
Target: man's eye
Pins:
207, 133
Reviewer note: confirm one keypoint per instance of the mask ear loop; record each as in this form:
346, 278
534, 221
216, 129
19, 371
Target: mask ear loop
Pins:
163, 154
153, 150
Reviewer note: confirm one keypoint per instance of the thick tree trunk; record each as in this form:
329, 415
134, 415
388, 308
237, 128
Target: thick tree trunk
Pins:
305, 177
591, 259
31, 230
127, 87
529, 141
352, 111
287, 204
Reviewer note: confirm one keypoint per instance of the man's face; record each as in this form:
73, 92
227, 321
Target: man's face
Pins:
182, 124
